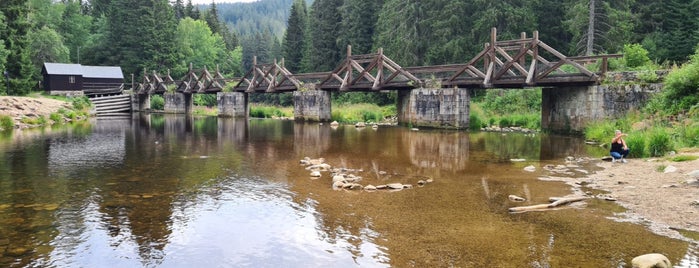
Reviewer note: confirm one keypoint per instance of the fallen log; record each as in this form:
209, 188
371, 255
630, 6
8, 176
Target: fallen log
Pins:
556, 202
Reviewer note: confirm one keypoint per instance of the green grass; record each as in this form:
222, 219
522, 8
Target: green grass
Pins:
682, 158
6, 122
268, 111
363, 112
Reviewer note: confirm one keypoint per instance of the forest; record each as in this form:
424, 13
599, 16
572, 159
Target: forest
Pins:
160, 35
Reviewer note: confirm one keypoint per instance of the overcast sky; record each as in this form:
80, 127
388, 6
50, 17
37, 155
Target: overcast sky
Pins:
206, 2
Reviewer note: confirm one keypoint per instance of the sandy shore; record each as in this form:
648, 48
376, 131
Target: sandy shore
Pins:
655, 196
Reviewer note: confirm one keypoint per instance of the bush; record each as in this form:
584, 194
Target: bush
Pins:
81, 103
636, 56
659, 142
689, 135
601, 131
636, 143
157, 102
474, 122
56, 117
6, 122
504, 122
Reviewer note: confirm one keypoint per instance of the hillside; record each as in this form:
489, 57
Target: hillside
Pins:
255, 17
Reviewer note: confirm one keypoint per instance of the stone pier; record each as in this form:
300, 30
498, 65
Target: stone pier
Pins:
570, 109
178, 103
232, 104
140, 102
312, 105
446, 108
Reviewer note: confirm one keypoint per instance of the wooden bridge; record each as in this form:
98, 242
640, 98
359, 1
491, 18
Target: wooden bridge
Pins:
519, 63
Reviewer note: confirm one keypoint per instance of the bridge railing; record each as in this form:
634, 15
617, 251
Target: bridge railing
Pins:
523, 62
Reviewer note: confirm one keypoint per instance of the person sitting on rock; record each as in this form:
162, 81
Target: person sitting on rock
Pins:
619, 150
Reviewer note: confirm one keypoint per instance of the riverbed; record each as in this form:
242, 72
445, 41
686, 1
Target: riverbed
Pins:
182, 191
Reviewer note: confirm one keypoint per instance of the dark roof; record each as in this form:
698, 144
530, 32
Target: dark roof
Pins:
84, 70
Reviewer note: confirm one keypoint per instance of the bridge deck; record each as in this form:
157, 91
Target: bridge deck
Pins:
520, 63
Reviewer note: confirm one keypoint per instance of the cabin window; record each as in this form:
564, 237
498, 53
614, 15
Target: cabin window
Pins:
71, 79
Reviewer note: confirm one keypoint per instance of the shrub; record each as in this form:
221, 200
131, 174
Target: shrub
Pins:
601, 131
474, 122
504, 122
659, 142
157, 102
6, 122
635, 56
81, 103
689, 135
56, 117
637, 145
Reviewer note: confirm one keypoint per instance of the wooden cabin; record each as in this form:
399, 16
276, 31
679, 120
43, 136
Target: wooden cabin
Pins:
63, 77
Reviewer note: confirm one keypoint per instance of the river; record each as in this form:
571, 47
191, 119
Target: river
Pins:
183, 191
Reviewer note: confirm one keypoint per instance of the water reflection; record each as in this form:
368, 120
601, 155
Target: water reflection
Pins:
182, 191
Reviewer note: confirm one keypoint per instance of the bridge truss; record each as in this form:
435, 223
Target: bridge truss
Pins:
519, 63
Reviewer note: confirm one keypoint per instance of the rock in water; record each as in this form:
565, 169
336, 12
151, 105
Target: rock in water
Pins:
652, 260
515, 198
395, 186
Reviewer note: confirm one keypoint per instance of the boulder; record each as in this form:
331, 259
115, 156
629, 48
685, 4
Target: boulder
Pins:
315, 173
670, 169
360, 124
652, 260
370, 188
394, 186
334, 124
338, 185
530, 168
337, 178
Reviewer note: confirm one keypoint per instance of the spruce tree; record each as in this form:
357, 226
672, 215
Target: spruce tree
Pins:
324, 25
358, 23
400, 31
294, 38
179, 9
211, 18
18, 64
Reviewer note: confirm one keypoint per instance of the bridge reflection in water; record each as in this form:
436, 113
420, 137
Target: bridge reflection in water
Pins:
183, 191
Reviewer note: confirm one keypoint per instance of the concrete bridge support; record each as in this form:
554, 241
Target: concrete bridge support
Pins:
140, 102
232, 104
312, 105
434, 107
178, 103
570, 109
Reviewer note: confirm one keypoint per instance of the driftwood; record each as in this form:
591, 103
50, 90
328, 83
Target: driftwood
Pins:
556, 202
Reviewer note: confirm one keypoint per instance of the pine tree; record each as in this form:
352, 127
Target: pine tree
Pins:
18, 64
211, 18
179, 9
358, 23
294, 38
75, 28
147, 42
400, 31
324, 24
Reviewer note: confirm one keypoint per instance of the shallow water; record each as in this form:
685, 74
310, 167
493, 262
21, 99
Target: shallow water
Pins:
178, 191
